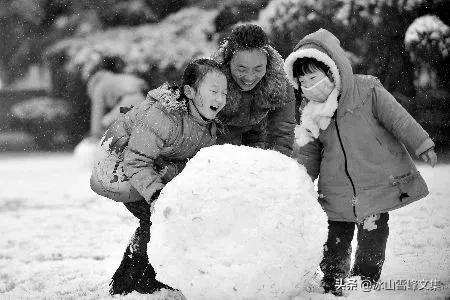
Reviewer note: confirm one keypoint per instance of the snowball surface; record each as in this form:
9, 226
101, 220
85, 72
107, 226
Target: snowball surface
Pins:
238, 223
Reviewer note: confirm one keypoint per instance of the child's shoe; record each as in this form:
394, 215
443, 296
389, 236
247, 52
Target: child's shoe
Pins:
329, 286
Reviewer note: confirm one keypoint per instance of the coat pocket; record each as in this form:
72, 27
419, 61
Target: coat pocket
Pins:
406, 184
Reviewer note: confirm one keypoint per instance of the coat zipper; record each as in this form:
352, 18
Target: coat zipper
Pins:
354, 199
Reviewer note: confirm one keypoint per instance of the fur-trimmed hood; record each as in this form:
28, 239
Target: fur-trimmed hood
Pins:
325, 47
273, 91
169, 99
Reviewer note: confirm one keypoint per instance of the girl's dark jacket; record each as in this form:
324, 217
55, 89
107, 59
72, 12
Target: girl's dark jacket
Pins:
263, 117
361, 157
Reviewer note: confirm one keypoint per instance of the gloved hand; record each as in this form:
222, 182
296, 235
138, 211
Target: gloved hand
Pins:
159, 164
168, 170
171, 170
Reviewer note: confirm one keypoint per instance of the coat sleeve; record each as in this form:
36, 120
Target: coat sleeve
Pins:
147, 139
399, 122
280, 128
310, 156
126, 102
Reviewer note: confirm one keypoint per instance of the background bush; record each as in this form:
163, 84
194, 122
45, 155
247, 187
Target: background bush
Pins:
427, 40
405, 43
45, 119
415, 70
155, 52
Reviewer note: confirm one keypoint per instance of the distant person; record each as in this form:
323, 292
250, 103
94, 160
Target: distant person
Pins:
148, 146
353, 135
260, 109
111, 90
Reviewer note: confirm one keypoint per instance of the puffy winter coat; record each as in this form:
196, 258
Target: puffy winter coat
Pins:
148, 146
361, 157
263, 117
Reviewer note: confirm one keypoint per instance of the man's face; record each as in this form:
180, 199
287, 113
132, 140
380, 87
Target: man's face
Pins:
248, 67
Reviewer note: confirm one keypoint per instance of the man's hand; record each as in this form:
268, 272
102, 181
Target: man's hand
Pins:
429, 156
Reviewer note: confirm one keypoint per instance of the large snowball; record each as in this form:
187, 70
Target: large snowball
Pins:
238, 223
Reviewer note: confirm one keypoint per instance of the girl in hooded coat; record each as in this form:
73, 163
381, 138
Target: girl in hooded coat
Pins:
260, 109
146, 148
353, 134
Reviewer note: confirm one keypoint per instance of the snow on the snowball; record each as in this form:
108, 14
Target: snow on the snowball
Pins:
238, 223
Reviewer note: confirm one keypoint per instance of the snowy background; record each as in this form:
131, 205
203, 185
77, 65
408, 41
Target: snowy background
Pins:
61, 241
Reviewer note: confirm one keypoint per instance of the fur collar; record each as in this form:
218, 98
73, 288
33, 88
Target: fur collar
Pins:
273, 91
170, 102
169, 99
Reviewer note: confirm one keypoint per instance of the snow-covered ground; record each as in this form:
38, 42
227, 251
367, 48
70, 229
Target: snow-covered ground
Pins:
61, 241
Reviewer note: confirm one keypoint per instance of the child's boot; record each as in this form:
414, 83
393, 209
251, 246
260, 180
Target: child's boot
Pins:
135, 258
336, 255
130, 270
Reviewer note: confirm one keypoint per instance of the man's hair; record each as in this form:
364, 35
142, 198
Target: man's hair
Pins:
307, 65
245, 37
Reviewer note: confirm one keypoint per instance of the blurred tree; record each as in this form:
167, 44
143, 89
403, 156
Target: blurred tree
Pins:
29, 26
234, 11
44, 118
377, 29
166, 7
385, 23
129, 13
372, 31
19, 20
288, 21
428, 42
55, 8
156, 52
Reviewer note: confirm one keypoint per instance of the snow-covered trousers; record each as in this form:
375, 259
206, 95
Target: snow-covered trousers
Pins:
141, 237
370, 252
